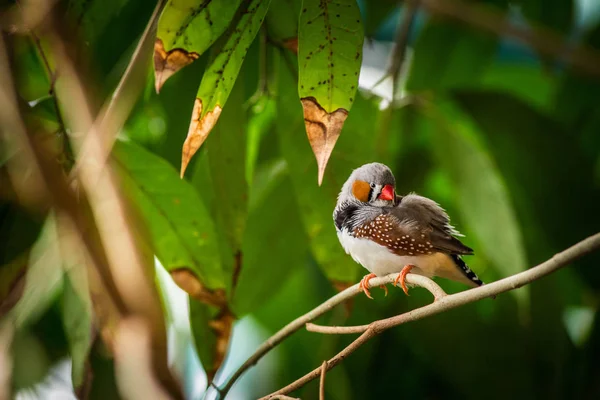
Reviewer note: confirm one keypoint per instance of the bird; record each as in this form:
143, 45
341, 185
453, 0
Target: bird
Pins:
388, 233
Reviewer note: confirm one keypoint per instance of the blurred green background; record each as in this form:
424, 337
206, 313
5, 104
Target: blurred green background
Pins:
503, 137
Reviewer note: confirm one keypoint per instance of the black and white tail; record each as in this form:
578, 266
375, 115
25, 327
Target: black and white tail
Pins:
466, 270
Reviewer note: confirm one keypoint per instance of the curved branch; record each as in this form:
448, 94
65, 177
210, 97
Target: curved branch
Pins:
449, 302
301, 321
322, 381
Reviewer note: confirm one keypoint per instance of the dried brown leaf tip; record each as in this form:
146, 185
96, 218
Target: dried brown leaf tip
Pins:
166, 63
221, 327
323, 130
199, 129
187, 280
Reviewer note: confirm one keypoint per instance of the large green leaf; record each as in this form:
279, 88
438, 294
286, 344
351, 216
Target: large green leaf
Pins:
226, 153
480, 192
211, 330
77, 319
186, 29
317, 204
182, 231
526, 82
274, 243
93, 16
282, 19
376, 12
330, 39
448, 55
526, 148
221, 73
44, 276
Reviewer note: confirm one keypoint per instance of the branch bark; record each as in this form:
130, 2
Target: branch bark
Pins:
449, 302
322, 381
315, 313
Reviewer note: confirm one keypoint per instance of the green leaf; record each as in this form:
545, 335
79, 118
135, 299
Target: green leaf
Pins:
226, 153
195, 25
77, 319
186, 29
448, 55
330, 39
522, 81
94, 16
221, 73
482, 198
282, 19
182, 231
263, 114
274, 243
554, 14
376, 12
31, 77
211, 330
44, 277
316, 204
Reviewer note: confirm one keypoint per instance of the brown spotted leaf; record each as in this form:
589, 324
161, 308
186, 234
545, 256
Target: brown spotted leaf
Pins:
186, 29
221, 73
166, 63
323, 130
200, 127
330, 39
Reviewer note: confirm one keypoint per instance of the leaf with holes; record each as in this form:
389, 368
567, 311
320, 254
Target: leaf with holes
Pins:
182, 231
186, 29
220, 75
330, 39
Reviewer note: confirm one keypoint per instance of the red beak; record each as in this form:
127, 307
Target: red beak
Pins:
387, 193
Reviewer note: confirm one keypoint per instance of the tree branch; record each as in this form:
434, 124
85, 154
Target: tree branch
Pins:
405, 23
322, 381
449, 302
301, 321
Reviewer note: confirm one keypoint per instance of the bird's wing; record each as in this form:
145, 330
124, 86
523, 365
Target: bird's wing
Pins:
427, 218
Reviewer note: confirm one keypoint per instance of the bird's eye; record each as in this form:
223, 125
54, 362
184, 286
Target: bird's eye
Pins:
372, 186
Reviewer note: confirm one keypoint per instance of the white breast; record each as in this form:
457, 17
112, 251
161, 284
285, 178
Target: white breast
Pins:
380, 261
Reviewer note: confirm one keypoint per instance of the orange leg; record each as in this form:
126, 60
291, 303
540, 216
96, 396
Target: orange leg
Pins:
364, 285
402, 277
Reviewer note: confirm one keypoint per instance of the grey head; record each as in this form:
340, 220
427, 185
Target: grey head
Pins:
373, 184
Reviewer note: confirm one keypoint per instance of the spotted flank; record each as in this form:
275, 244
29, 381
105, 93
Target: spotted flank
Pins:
401, 239
465, 268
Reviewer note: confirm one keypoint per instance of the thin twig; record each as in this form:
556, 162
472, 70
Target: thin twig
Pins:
405, 23
543, 40
336, 330
301, 321
449, 302
322, 381
6, 337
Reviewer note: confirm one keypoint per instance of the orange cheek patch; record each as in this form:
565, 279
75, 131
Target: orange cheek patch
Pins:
360, 190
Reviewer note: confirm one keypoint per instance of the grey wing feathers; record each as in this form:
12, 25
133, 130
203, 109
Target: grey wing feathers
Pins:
430, 216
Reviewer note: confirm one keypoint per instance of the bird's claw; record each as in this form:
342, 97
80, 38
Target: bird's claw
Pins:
364, 285
402, 278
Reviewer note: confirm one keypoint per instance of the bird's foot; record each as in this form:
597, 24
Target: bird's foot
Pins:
364, 286
402, 278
